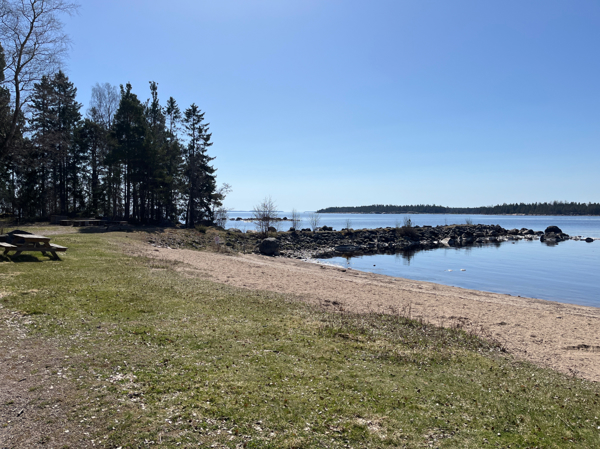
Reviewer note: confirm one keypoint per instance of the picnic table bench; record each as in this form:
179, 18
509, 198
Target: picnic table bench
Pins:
21, 243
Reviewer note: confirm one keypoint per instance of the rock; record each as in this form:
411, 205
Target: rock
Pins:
447, 241
553, 229
269, 247
550, 237
272, 229
239, 231
346, 249
466, 239
513, 232
589, 239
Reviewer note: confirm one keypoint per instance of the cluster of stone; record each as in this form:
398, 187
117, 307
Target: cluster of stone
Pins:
325, 242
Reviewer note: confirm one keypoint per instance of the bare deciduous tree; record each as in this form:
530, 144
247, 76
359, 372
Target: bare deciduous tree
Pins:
295, 219
265, 214
315, 221
220, 212
104, 103
221, 216
34, 43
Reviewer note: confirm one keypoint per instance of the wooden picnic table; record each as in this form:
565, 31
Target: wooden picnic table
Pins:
82, 222
31, 243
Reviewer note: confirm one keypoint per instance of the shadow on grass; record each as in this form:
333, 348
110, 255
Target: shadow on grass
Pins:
28, 258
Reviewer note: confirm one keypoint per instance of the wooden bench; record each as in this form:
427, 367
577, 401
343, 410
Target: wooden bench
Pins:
7, 247
58, 248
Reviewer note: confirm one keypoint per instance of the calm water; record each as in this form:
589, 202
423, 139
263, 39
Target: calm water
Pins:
567, 272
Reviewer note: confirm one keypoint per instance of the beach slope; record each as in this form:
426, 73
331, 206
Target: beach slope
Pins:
564, 337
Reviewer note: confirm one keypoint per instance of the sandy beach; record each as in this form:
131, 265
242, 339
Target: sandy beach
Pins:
564, 337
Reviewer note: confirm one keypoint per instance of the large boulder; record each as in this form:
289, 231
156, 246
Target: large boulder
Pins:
553, 229
448, 241
269, 247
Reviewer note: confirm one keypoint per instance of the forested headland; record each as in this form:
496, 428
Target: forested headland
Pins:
124, 157
552, 208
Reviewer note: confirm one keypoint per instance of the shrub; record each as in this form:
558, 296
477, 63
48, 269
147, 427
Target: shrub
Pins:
265, 215
406, 230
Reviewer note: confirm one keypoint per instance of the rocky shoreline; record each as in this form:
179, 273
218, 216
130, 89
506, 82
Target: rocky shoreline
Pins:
326, 243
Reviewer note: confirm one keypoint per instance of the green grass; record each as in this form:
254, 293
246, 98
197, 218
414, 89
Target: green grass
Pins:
159, 357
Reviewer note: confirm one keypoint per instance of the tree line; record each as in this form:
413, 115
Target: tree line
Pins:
126, 158
551, 208
140, 161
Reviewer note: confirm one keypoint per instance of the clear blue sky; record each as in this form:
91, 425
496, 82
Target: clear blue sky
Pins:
342, 102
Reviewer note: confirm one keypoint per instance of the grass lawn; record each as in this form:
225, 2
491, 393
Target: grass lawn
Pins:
158, 358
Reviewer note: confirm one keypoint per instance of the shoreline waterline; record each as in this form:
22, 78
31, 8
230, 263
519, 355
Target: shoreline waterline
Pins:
565, 272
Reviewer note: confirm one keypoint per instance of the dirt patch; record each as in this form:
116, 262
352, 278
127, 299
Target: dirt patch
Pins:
37, 395
543, 332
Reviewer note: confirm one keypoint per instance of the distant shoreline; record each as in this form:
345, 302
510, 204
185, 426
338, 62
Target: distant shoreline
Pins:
456, 213
554, 208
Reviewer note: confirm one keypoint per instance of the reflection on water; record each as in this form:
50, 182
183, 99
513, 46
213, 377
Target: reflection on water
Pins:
564, 272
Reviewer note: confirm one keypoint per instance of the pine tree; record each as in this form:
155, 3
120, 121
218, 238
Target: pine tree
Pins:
129, 131
173, 160
7, 173
200, 179
55, 117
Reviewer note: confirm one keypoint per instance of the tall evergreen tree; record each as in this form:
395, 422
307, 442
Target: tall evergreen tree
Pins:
55, 117
173, 160
6, 166
200, 179
43, 125
157, 143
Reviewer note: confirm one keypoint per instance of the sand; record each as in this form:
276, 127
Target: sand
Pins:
564, 337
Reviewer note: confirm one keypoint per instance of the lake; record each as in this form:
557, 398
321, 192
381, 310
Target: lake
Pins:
566, 272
